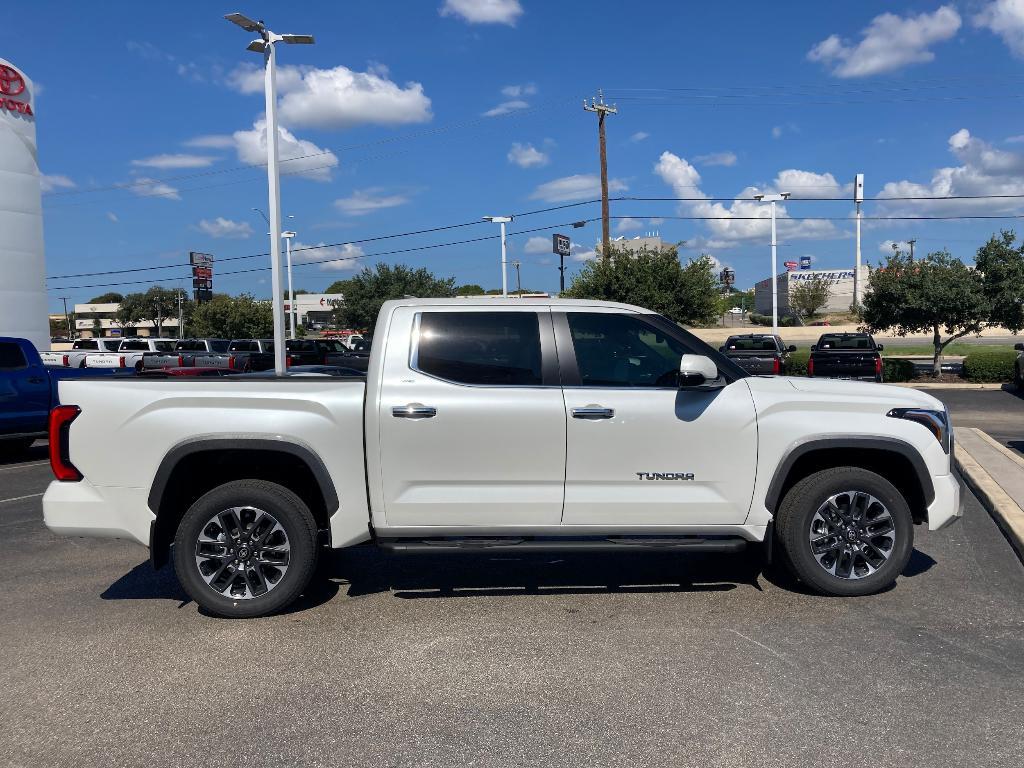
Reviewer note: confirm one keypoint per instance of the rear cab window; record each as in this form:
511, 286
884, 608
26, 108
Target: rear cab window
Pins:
11, 357
747, 344
837, 341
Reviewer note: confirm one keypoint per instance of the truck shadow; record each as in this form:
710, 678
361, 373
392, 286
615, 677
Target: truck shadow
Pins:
39, 451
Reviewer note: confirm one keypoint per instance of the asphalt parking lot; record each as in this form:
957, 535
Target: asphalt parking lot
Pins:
999, 412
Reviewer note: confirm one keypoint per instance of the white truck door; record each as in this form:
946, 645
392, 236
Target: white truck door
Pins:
471, 418
640, 451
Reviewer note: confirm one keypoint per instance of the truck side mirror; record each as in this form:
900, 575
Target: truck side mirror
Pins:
722, 349
696, 371
791, 348
814, 347
879, 347
1019, 347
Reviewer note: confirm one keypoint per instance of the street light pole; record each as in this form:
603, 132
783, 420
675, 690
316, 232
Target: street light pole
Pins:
519, 285
266, 46
502, 220
292, 315
772, 199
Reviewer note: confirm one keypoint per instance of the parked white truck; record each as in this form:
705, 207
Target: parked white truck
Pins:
495, 426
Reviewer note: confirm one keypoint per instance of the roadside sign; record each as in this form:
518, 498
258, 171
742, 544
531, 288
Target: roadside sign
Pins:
789, 265
560, 244
202, 275
805, 262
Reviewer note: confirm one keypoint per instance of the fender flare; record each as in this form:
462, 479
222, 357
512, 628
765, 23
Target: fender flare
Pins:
831, 442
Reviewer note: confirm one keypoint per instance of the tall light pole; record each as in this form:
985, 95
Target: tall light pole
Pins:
265, 45
292, 315
502, 220
772, 200
858, 198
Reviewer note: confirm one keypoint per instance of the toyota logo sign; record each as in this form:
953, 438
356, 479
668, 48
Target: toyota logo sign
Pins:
11, 81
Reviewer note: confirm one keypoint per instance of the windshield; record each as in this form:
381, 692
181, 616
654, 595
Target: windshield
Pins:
836, 341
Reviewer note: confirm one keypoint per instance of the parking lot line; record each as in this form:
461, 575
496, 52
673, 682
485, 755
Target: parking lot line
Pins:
22, 466
20, 498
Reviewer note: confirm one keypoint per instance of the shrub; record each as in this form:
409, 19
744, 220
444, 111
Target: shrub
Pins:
989, 365
796, 363
784, 322
894, 369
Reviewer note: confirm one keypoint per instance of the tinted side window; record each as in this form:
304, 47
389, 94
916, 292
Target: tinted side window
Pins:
11, 357
87, 344
615, 350
489, 348
128, 346
164, 346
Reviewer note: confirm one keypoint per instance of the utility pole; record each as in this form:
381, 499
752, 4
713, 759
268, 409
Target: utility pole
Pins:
561, 274
180, 336
858, 198
502, 220
519, 285
67, 318
597, 105
911, 244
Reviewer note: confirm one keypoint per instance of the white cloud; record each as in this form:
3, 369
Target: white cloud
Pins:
537, 244
716, 158
505, 107
527, 156
211, 141
1014, 139
983, 170
364, 201
175, 161
890, 42
299, 157
744, 219
484, 11
50, 182
582, 186
518, 91
339, 97
776, 131
581, 252
112, 216
225, 229
1006, 19
146, 187
639, 136
811, 184
332, 258
628, 224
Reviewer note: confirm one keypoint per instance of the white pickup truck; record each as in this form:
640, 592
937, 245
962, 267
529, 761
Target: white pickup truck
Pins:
80, 350
500, 426
129, 353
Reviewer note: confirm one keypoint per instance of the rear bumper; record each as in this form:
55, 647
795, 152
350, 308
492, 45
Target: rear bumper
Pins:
948, 505
82, 509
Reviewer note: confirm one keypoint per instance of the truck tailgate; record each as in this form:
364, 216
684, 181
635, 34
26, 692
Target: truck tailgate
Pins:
105, 360
54, 358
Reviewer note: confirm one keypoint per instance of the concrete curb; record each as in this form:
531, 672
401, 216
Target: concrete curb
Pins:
1004, 510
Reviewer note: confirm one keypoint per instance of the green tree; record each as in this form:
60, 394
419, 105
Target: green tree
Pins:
808, 296
935, 294
155, 306
472, 289
654, 280
368, 290
107, 298
233, 317
1002, 267
338, 286
60, 327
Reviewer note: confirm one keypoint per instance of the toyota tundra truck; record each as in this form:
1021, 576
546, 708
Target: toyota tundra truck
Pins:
488, 425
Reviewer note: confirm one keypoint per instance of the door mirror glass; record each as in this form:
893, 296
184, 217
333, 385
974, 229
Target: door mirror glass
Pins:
879, 347
696, 371
814, 347
791, 348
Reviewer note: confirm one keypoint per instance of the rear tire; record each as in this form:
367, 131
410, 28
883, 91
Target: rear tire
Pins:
845, 531
245, 549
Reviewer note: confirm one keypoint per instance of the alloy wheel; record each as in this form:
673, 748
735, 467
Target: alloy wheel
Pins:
852, 535
242, 553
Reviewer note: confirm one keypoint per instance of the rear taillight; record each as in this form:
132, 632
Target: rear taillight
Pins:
231, 362
181, 361
810, 366
288, 361
776, 366
66, 360
121, 363
878, 366
60, 425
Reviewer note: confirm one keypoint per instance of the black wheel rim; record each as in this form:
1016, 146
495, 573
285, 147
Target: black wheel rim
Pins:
852, 535
242, 553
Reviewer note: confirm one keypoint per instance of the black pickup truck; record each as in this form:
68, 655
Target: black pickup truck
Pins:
846, 356
757, 353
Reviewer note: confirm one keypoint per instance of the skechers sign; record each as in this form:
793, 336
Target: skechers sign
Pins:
841, 274
13, 84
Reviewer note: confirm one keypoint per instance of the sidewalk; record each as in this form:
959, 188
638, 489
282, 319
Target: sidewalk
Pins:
996, 474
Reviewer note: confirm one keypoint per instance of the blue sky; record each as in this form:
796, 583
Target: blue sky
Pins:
426, 113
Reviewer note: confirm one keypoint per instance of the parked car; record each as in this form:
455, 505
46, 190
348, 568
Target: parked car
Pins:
75, 357
846, 356
333, 352
757, 353
28, 392
184, 353
490, 426
736, 311
129, 353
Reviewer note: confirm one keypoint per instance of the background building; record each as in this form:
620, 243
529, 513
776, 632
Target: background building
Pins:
101, 320
840, 297
316, 307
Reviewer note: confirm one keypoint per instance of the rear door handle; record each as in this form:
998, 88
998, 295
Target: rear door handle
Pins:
414, 411
593, 412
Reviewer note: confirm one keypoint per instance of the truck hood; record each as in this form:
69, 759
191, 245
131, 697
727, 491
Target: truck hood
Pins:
846, 391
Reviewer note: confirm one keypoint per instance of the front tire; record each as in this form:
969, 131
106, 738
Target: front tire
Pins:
845, 531
245, 549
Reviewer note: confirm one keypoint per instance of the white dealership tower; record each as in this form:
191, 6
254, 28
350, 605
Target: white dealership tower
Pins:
23, 306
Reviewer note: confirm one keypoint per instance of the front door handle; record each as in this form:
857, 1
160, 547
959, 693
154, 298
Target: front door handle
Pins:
414, 411
593, 412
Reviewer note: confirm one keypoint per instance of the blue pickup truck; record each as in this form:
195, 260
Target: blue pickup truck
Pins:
28, 390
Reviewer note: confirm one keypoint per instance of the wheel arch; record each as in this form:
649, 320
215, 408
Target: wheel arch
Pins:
209, 462
895, 460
